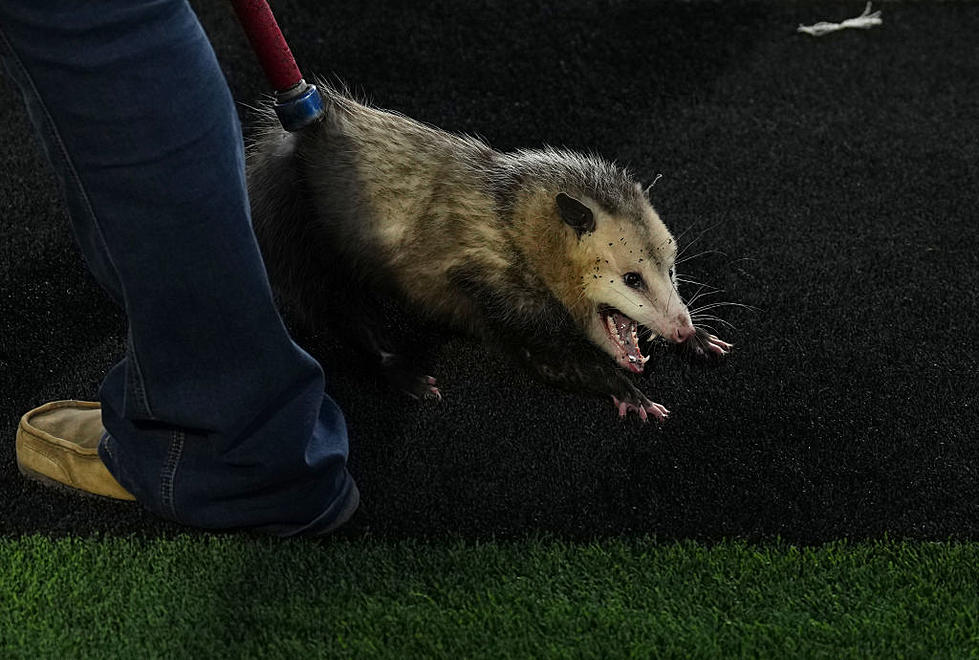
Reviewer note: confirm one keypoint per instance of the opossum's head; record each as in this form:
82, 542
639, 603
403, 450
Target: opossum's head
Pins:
624, 257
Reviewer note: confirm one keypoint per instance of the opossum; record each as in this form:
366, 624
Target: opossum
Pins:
556, 257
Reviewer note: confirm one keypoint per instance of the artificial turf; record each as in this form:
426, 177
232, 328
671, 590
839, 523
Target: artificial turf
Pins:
837, 175
222, 596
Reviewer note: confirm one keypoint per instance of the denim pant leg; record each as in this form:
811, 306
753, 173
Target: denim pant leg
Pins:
215, 418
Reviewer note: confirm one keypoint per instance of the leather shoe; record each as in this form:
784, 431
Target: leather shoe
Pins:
57, 444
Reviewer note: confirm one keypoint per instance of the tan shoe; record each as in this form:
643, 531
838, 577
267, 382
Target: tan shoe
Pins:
57, 445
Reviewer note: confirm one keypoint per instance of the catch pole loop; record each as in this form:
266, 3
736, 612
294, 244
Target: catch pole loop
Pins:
297, 103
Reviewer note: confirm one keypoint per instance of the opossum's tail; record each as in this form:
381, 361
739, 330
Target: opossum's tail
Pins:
283, 217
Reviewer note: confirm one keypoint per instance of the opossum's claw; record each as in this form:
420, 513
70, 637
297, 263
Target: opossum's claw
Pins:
717, 346
658, 410
432, 393
417, 387
702, 343
643, 408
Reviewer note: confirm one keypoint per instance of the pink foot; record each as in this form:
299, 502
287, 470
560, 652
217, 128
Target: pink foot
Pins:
433, 392
717, 346
423, 387
644, 409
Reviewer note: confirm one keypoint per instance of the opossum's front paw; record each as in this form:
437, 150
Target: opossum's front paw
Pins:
703, 343
717, 346
642, 406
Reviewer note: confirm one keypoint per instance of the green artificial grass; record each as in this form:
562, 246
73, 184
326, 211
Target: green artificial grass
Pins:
228, 596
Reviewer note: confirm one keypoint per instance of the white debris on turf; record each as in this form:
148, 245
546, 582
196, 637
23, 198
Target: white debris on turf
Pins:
864, 21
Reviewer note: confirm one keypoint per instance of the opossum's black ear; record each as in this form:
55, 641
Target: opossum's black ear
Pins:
576, 214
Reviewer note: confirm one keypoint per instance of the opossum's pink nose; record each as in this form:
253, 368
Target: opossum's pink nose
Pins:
683, 330
683, 333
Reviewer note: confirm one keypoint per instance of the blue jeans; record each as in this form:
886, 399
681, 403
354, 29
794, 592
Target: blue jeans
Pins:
215, 417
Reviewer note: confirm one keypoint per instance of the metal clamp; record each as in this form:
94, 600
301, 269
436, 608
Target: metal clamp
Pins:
299, 106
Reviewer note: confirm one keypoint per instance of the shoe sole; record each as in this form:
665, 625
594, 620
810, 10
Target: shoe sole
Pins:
54, 484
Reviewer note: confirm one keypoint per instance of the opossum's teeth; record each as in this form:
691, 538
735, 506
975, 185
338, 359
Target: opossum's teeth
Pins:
623, 332
612, 330
622, 323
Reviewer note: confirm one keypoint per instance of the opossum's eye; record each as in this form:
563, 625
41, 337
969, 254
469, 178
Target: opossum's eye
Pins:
633, 281
672, 272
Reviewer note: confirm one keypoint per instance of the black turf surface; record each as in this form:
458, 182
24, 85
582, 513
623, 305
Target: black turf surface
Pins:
837, 175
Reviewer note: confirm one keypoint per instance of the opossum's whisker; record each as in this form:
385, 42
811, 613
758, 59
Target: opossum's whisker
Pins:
706, 316
724, 304
682, 251
683, 233
698, 318
699, 236
686, 281
701, 294
699, 254
700, 289
695, 295
707, 326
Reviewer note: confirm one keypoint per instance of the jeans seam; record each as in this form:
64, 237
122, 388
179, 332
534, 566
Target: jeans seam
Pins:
174, 453
106, 444
60, 147
136, 379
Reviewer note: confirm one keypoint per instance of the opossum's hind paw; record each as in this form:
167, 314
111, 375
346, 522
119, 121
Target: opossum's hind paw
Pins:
417, 387
403, 376
642, 407
432, 392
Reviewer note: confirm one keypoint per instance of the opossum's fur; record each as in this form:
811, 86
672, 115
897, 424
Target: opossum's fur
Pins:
367, 201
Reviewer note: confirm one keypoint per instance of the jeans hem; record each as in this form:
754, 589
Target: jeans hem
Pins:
335, 515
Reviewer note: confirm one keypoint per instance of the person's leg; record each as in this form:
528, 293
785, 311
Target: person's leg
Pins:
215, 417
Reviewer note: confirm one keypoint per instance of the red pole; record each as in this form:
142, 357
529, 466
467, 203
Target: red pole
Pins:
268, 43
297, 103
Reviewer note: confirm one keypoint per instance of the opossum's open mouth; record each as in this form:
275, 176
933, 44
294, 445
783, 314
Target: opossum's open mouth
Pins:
622, 332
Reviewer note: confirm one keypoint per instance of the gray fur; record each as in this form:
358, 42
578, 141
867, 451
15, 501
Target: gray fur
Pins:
367, 202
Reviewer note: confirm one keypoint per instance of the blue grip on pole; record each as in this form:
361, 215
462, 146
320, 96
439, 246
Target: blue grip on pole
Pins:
299, 110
